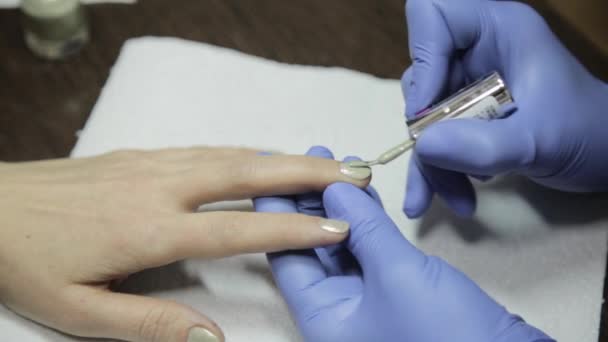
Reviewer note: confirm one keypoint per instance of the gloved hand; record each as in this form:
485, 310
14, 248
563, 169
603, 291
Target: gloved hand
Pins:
387, 289
557, 137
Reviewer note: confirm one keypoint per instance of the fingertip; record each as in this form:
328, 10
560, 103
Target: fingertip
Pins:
320, 152
373, 193
463, 206
351, 158
418, 192
359, 176
277, 204
411, 210
454, 188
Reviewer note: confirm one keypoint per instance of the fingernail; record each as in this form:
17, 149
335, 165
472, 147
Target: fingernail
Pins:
411, 213
335, 226
353, 171
198, 334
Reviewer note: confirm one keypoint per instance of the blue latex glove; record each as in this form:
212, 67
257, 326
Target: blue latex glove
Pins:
557, 137
386, 290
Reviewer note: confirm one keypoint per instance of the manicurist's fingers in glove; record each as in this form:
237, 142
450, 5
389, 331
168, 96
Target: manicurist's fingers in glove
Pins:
398, 292
555, 137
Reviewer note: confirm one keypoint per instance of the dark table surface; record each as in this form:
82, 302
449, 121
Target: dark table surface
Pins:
43, 104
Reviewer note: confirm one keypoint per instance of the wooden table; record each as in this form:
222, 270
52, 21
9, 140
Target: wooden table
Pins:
44, 104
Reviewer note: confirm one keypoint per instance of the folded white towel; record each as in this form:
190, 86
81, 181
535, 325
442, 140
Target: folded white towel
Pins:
539, 252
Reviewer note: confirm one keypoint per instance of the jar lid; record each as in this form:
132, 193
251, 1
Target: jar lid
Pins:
48, 8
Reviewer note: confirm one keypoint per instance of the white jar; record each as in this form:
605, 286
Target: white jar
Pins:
54, 29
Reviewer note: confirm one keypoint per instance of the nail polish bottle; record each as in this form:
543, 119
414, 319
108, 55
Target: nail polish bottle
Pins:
54, 29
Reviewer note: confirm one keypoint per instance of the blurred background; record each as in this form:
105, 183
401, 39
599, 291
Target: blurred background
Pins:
43, 104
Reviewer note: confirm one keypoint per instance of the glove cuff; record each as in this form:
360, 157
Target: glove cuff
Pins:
520, 331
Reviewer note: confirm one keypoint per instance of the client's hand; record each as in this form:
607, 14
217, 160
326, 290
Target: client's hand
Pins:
384, 289
69, 228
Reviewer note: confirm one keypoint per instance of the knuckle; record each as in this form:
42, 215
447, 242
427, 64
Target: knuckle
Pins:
244, 174
76, 318
157, 322
223, 228
153, 243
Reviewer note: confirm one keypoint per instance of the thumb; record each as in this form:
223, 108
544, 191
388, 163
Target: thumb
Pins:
430, 47
477, 147
144, 319
374, 239
438, 31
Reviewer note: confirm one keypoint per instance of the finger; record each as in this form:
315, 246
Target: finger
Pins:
407, 83
222, 234
312, 203
184, 154
373, 193
481, 178
139, 319
337, 259
255, 176
479, 147
320, 152
457, 77
471, 24
300, 275
454, 188
199, 153
418, 191
425, 180
438, 29
431, 50
293, 271
374, 239
456, 81
368, 189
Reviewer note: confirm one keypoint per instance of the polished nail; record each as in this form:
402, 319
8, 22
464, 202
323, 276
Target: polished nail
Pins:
354, 171
334, 226
198, 334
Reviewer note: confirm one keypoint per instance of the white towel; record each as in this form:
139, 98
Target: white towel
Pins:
539, 252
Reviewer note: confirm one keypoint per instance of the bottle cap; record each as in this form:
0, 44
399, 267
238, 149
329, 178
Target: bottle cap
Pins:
48, 8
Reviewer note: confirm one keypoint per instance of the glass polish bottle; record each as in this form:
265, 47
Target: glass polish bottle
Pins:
54, 29
488, 99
